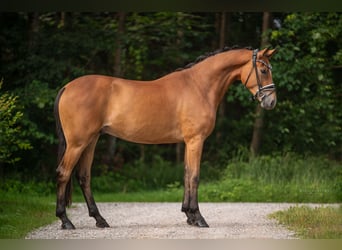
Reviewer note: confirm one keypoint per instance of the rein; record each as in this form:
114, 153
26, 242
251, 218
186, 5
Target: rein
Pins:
269, 87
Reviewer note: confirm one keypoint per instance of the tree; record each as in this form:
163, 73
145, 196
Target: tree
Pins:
308, 116
11, 140
40, 52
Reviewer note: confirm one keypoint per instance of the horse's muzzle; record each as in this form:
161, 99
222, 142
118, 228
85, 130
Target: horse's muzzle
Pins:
269, 101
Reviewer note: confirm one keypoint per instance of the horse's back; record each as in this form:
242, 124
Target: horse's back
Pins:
88, 83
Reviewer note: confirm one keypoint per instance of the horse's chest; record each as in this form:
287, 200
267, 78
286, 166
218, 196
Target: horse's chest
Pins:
201, 122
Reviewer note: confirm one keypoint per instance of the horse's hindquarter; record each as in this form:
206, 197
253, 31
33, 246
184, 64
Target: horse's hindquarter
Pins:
81, 107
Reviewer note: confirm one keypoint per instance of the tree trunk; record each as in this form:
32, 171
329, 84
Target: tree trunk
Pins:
33, 29
259, 112
221, 43
62, 20
118, 51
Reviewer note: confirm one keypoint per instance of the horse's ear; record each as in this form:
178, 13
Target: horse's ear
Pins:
268, 52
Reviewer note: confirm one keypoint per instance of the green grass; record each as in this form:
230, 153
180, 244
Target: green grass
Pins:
246, 190
277, 178
21, 213
312, 223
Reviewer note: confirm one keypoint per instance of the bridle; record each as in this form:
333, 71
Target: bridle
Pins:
261, 89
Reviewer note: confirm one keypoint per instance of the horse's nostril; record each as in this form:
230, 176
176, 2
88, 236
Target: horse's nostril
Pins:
273, 103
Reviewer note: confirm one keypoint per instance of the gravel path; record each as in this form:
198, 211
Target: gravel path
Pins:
166, 221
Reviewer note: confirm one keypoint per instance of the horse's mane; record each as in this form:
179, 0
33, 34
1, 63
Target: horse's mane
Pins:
209, 54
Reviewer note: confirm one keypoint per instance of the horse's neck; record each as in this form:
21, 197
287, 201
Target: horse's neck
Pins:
215, 74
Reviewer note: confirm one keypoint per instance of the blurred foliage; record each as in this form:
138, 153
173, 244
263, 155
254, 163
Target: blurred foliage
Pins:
11, 138
308, 114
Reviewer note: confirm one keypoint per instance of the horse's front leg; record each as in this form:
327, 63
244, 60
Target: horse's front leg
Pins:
193, 152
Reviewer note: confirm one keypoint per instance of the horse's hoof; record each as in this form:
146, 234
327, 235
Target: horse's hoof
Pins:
198, 223
102, 224
68, 225
201, 223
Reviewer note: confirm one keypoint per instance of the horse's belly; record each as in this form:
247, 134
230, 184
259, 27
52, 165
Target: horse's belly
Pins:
149, 131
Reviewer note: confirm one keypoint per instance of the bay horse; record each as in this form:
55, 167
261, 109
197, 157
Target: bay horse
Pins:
178, 107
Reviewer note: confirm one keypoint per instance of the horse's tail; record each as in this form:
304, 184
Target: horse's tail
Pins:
62, 146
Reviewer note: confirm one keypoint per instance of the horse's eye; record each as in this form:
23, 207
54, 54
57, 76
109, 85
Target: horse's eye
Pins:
263, 71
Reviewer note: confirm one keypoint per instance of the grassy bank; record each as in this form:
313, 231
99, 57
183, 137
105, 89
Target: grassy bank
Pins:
22, 213
279, 178
312, 223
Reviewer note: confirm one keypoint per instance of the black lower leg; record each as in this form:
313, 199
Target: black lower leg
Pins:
66, 223
61, 213
92, 208
195, 218
94, 212
61, 206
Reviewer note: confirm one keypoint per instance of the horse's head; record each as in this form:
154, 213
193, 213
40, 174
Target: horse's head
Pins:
257, 77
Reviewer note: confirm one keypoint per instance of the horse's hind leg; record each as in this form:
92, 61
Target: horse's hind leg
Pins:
64, 171
84, 175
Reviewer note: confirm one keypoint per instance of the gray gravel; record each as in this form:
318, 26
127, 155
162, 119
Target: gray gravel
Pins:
166, 221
